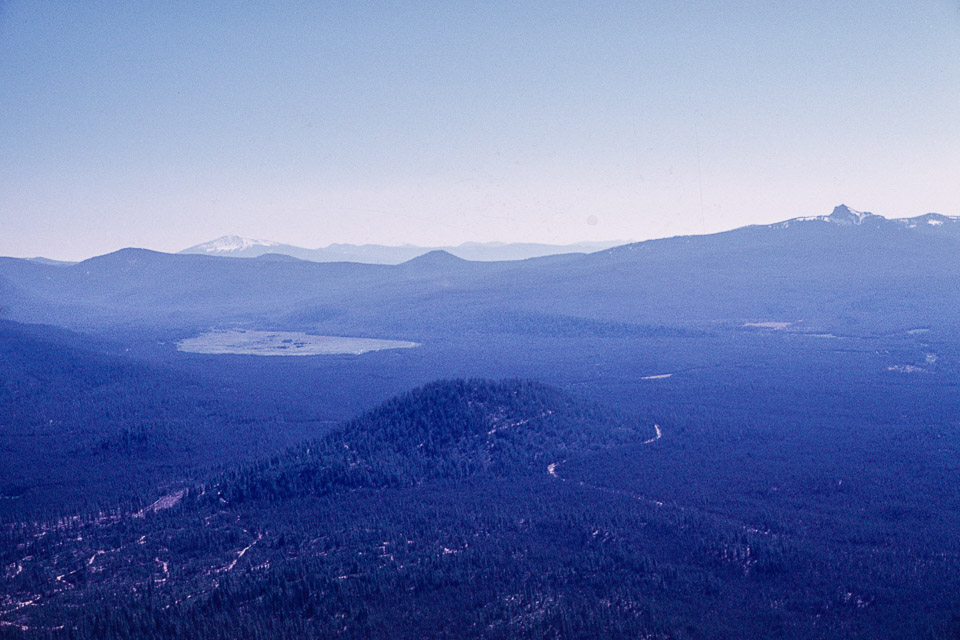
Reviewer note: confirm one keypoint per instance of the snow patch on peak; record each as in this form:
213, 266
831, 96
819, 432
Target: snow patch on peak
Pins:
929, 219
228, 244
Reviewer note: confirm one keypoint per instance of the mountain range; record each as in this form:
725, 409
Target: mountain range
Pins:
240, 247
841, 271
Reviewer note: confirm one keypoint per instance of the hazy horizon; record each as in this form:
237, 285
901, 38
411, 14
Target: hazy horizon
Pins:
332, 244
166, 126
612, 242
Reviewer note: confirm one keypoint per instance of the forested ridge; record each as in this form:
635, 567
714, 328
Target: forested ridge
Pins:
446, 430
464, 508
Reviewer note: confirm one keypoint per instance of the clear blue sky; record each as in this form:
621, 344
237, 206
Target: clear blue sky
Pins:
165, 124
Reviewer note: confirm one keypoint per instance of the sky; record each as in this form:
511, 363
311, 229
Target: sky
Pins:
166, 124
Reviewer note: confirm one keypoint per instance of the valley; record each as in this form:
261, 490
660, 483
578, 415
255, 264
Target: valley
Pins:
616, 444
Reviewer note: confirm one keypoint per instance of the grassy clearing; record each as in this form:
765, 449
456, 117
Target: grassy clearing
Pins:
283, 343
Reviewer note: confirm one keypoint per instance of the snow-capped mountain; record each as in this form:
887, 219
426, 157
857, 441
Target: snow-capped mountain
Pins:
230, 245
844, 216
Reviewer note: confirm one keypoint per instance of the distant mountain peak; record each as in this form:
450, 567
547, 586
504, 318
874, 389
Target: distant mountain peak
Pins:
229, 244
437, 257
845, 216
842, 216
